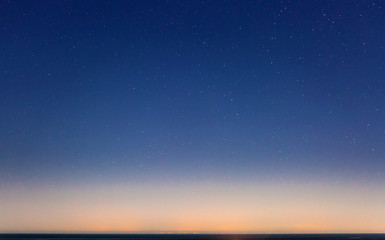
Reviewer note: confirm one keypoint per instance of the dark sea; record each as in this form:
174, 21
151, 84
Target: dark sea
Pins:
191, 236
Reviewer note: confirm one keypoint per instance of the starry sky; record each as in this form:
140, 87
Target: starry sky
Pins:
192, 116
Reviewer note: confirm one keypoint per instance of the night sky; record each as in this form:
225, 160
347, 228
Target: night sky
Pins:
192, 116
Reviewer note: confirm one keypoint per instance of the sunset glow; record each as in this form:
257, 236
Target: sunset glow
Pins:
200, 207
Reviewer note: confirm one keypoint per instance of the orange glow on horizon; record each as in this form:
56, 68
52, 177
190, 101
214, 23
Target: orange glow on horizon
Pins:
195, 208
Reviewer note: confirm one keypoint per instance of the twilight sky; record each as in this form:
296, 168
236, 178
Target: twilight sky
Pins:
192, 116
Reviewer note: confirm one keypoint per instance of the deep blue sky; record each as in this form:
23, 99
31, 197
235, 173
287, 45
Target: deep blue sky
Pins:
191, 87
206, 116
97, 91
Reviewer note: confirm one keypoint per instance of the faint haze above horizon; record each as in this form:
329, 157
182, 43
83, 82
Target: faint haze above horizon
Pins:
192, 116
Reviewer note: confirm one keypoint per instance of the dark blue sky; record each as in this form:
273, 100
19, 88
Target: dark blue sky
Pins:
149, 91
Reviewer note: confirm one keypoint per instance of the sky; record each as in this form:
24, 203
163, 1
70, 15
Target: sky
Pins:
192, 116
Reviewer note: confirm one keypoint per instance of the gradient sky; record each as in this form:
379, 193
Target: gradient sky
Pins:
192, 116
